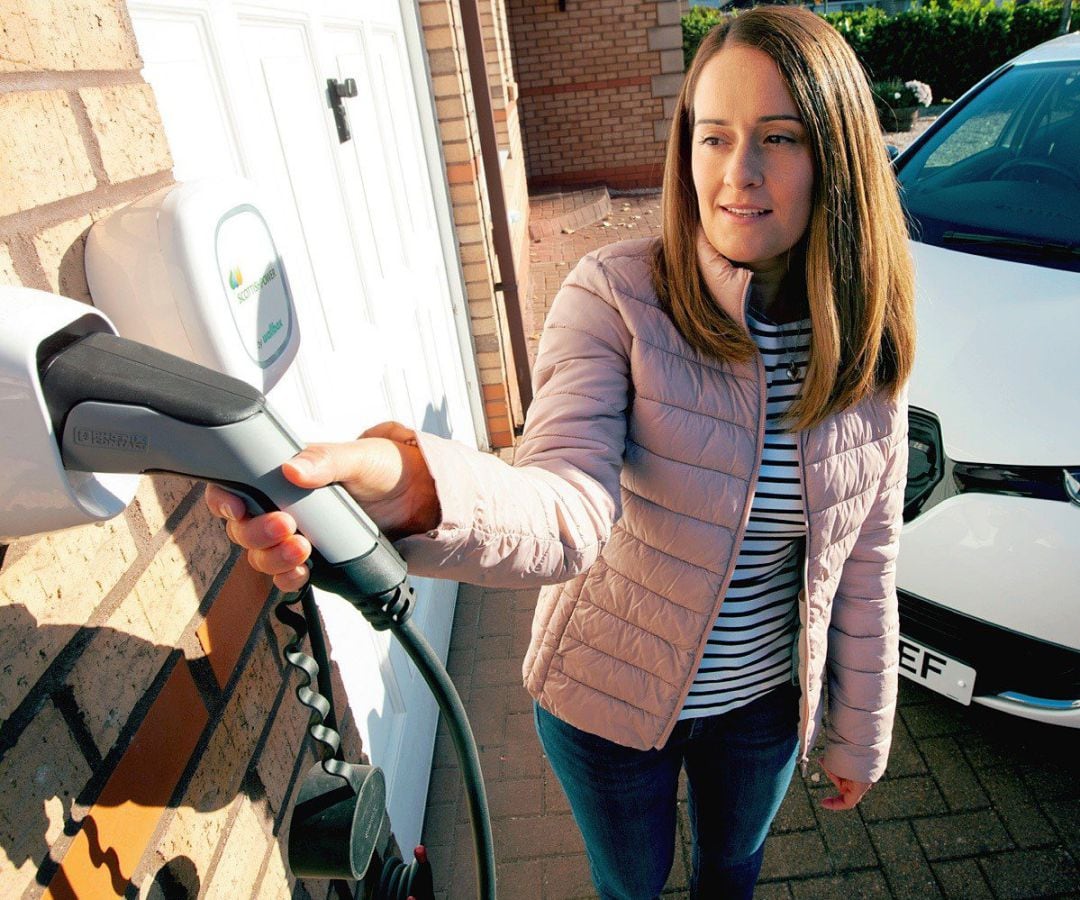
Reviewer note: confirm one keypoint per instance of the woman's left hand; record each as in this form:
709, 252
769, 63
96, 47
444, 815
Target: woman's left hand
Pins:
851, 792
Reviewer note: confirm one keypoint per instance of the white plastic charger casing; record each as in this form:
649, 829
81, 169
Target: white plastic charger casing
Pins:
36, 493
192, 269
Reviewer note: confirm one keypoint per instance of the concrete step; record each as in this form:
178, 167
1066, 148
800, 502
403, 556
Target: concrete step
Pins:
566, 211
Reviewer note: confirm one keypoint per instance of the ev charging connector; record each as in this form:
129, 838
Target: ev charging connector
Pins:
86, 411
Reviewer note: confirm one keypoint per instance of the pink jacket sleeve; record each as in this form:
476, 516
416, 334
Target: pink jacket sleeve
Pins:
545, 519
864, 633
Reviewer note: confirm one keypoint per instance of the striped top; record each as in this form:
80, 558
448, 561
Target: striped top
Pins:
750, 649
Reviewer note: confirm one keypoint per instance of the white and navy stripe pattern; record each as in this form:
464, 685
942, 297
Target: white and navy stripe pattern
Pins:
750, 649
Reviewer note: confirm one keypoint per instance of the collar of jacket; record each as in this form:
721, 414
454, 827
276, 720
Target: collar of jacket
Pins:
728, 284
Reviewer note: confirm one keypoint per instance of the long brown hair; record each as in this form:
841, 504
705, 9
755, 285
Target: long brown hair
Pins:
858, 271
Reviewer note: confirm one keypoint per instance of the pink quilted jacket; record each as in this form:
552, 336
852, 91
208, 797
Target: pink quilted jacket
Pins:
628, 498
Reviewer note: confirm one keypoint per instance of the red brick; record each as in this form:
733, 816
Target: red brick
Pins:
237, 871
567, 876
522, 879
236, 732
235, 612
539, 836
459, 173
278, 755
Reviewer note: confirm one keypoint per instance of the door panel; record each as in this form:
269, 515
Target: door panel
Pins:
296, 156
181, 56
242, 90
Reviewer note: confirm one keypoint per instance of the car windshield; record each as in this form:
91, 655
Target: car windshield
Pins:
1001, 176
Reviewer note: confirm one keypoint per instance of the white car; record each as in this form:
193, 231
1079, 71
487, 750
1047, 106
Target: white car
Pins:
989, 567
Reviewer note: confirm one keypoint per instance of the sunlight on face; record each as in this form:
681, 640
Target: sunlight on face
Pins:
752, 163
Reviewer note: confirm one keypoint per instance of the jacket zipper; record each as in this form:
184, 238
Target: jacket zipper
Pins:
804, 662
763, 396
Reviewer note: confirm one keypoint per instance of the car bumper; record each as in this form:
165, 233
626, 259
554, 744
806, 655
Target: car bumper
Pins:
1033, 708
1015, 672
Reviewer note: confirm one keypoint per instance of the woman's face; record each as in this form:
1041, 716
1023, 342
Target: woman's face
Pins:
752, 164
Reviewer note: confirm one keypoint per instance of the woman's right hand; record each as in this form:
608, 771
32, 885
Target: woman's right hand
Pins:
383, 470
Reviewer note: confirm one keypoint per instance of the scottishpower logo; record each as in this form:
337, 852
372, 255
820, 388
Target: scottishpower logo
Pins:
236, 279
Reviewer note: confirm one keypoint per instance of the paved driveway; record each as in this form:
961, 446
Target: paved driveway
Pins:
974, 804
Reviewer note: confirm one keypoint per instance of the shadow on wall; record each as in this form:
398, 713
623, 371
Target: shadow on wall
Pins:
437, 420
52, 773
60, 764
71, 274
50, 788
178, 879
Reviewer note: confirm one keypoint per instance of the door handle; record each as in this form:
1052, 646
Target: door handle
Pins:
337, 91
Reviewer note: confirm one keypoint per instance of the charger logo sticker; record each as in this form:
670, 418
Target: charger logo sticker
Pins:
255, 288
258, 300
112, 440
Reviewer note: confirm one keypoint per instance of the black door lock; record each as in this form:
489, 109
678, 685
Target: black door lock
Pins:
337, 91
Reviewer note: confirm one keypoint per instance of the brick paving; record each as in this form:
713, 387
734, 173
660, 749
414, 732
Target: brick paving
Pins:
973, 804
552, 257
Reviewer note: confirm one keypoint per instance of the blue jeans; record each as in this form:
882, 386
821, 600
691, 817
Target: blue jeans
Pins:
738, 768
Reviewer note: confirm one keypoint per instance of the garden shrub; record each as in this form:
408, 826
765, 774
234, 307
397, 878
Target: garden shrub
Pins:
948, 45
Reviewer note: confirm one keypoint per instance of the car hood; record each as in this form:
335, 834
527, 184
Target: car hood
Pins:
997, 359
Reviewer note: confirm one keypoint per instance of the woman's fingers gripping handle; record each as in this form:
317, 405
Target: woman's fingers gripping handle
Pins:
272, 544
370, 469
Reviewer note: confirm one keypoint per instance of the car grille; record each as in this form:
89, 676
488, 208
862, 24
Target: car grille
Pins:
1003, 660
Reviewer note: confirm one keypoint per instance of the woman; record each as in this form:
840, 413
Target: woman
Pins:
716, 454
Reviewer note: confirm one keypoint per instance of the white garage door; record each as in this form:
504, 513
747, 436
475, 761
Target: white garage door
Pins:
242, 88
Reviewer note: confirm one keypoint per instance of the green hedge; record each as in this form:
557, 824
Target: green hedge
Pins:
947, 45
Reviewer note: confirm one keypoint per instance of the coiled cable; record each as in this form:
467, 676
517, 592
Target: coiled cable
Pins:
389, 611
322, 722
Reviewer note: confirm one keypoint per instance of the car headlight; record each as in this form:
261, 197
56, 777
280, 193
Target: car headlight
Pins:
1072, 485
926, 461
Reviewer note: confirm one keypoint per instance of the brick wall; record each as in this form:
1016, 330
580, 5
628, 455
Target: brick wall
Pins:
598, 83
456, 111
149, 740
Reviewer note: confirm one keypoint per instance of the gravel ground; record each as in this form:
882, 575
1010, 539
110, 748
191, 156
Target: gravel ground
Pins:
926, 117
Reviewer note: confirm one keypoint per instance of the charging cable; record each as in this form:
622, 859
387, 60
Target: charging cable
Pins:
390, 611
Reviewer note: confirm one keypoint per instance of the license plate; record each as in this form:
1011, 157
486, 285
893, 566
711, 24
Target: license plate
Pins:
936, 671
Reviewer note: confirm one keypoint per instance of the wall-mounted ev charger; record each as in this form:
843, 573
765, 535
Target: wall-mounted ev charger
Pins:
91, 406
37, 493
86, 411
193, 269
